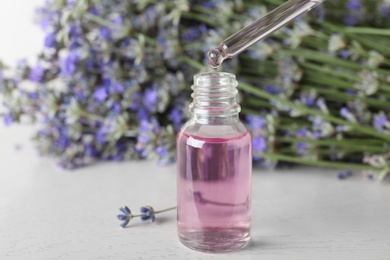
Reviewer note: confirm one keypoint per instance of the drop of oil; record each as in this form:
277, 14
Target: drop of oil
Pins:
215, 58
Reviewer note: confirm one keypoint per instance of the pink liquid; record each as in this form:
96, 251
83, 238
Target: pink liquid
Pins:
214, 192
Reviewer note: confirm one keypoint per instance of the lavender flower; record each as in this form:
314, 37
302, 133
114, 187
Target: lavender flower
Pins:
381, 123
259, 144
355, 12
8, 119
344, 174
37, 73
100, 94
50, 40
125, 217
147, 213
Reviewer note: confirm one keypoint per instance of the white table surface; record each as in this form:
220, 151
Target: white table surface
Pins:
306, 213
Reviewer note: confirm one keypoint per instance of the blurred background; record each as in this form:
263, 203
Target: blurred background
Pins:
110, 80
21, 38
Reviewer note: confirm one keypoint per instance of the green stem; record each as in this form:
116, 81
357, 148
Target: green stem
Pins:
358, 145
348, 75
366, 30
362, 129
328, 70
323, 58
351, 166
364, 40
195, 64
330, 60
200, 17
258, 103
99, 20
164, 210
343, 97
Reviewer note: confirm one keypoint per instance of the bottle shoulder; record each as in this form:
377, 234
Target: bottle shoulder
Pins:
224, 130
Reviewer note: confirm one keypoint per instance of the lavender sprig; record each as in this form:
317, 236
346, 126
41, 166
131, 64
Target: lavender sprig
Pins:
147, 213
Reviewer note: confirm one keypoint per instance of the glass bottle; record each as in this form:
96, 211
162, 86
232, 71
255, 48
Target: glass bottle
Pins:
214, 168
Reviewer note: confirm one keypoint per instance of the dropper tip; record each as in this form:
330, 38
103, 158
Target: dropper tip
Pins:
215, 58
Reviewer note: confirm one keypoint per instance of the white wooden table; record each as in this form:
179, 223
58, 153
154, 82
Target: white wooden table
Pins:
306, 213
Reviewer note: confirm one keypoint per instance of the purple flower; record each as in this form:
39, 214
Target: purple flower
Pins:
271, 89
121, 148
100, 94
308, 101
75, 30
117, 88
351, 20
36, 73
380, 122
150, 16
350, 92
150, 99
61, 143
259, 144
117, 20
209, 4
125, 217
385, 11
8, 119
195, 32
143, 136
317, 135
50, 40
70, 3
148, 213
101, 134
116, 108
90, 151
94, 10
340, 128
143, 115
69, 64
344, 54
356, 12
34, 96
302, 132
320, 102
301, 147
162, 150
354, 5
344, 112
137, 98
176, 117
105, 33
256, 122
344, 174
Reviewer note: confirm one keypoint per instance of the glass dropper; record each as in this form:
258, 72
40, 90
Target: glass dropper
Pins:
259, 30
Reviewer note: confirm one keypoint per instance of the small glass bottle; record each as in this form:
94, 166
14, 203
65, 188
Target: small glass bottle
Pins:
214, 168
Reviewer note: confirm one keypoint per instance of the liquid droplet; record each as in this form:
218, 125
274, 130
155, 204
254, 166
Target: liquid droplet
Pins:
215, 58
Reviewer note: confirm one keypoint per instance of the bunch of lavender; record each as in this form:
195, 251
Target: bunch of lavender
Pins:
112, 82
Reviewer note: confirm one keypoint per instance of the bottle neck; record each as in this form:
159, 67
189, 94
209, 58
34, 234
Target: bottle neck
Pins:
215, 97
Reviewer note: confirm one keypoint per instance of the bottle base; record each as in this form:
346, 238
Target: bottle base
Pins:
214, 240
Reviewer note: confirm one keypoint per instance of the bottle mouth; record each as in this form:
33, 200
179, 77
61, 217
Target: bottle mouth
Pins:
214, 79
214, 94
